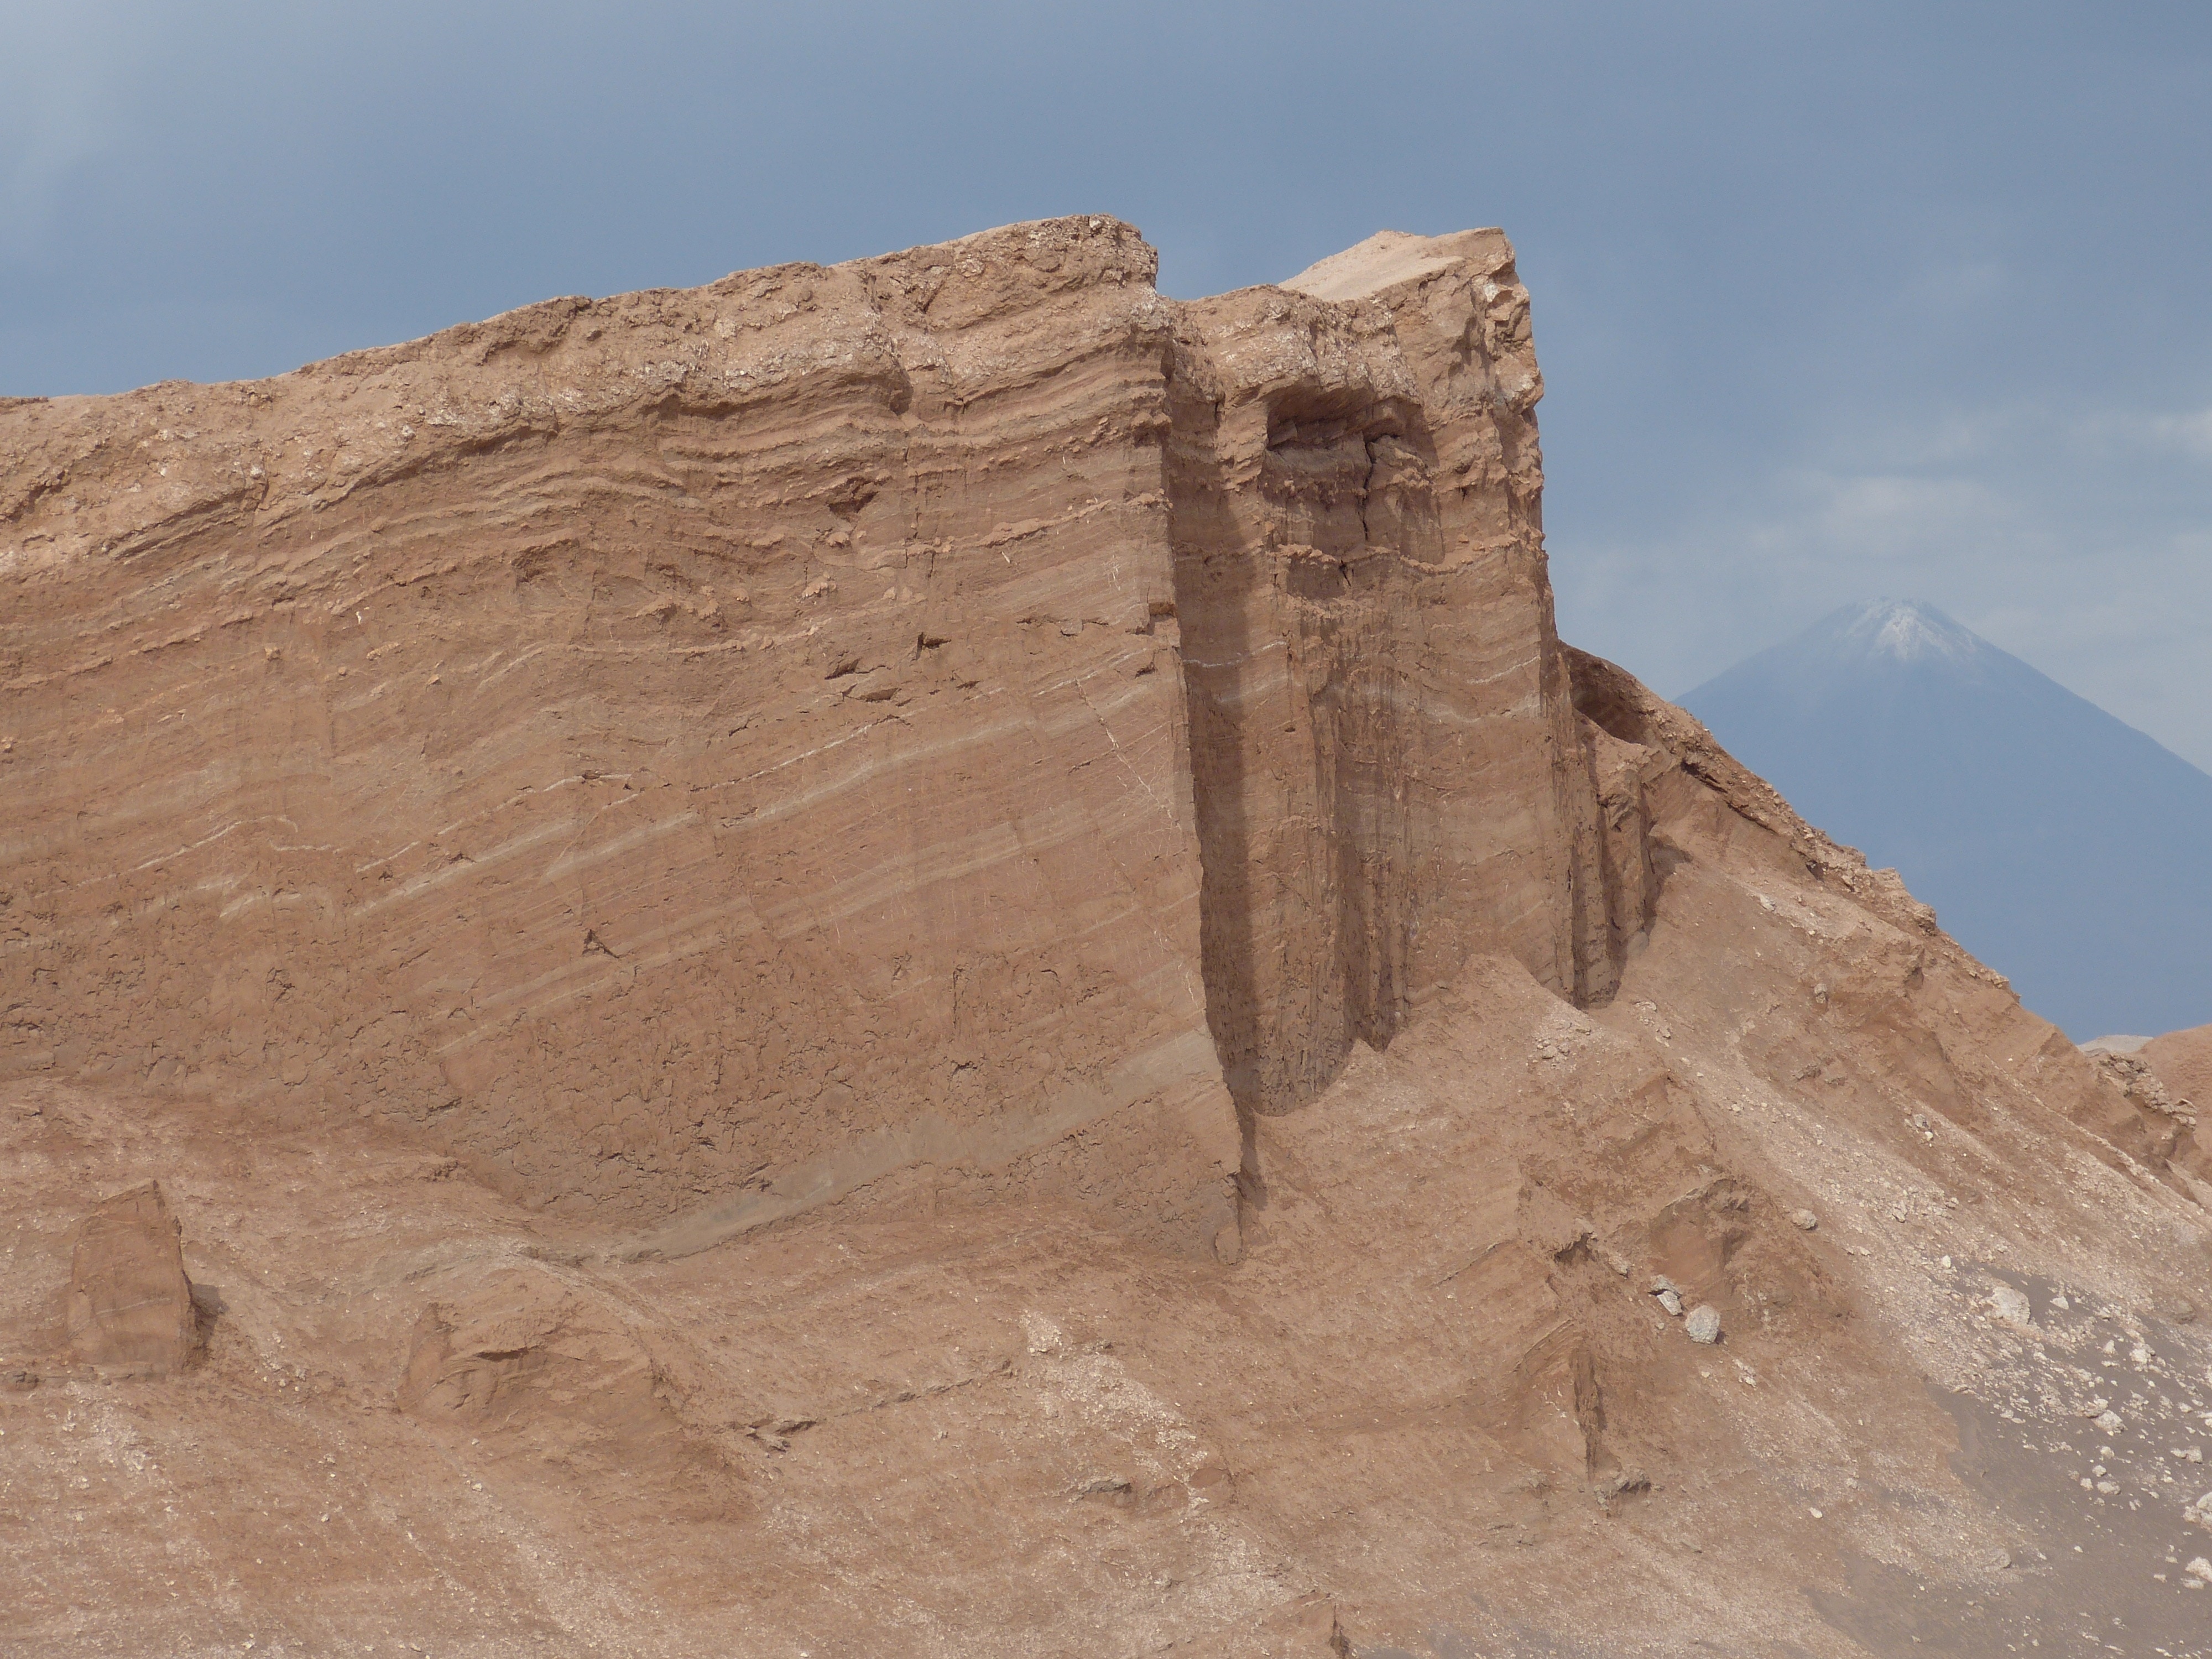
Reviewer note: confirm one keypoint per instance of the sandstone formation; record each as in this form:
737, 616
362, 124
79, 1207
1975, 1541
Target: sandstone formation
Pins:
935, 957
130, 1308
699, 754
2183, 1063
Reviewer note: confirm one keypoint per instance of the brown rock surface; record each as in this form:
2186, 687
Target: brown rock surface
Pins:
2178, 1069
691, 752
130, 1308
935, 957
2183, 1061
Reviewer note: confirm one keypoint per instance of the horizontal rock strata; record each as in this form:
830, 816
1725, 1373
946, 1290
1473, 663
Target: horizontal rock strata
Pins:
1265, 1064
703, 753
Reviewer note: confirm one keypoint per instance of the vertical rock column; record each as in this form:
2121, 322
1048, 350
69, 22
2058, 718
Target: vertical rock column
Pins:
1388, 774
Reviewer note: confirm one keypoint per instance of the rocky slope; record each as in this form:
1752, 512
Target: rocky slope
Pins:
2183, 1061
2059, 844
933, 957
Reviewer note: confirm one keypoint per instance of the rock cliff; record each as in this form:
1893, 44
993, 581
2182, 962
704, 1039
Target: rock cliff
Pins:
935, 956
701, 754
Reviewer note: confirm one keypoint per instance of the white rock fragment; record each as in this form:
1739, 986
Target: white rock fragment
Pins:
2109, 1422
1804, 1218
1703, 1324
2199, 1568
2011, 1305
1671, 1302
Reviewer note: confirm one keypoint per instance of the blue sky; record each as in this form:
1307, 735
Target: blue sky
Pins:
1833, 301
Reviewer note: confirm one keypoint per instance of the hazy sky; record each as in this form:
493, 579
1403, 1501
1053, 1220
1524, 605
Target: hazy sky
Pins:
1833, 301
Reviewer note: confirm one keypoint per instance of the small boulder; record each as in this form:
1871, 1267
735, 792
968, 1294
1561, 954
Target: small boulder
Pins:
2011, 1305
1804, 1218
1671, 1300
1703, 1324
130, 1311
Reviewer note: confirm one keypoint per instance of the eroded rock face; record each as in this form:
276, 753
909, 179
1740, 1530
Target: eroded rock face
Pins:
130, 1311
2180, 1078
713, 748
956, 755
701, 754
1388, 775
2182, 1060
560, 1387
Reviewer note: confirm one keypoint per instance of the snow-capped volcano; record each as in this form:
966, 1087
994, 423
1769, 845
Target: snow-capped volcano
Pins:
1903, 630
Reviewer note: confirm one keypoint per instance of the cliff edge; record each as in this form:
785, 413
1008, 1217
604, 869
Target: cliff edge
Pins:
936, 957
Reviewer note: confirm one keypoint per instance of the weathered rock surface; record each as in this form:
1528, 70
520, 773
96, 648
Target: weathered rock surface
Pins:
699, 754
2182, 1061
131, 1309
2163, 1079
933, 957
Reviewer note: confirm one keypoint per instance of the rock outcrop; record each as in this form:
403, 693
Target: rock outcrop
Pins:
935, 956
2171, 1077
940, 720
2183, 1062
131, 1311
1388, 771
721, 748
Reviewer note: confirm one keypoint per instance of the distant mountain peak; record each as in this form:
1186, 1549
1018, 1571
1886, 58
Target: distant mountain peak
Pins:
1902, 630
2061, 845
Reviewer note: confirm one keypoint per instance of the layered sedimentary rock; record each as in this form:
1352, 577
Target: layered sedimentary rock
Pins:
1072, 808
703, 753
720, 745
1388, 774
